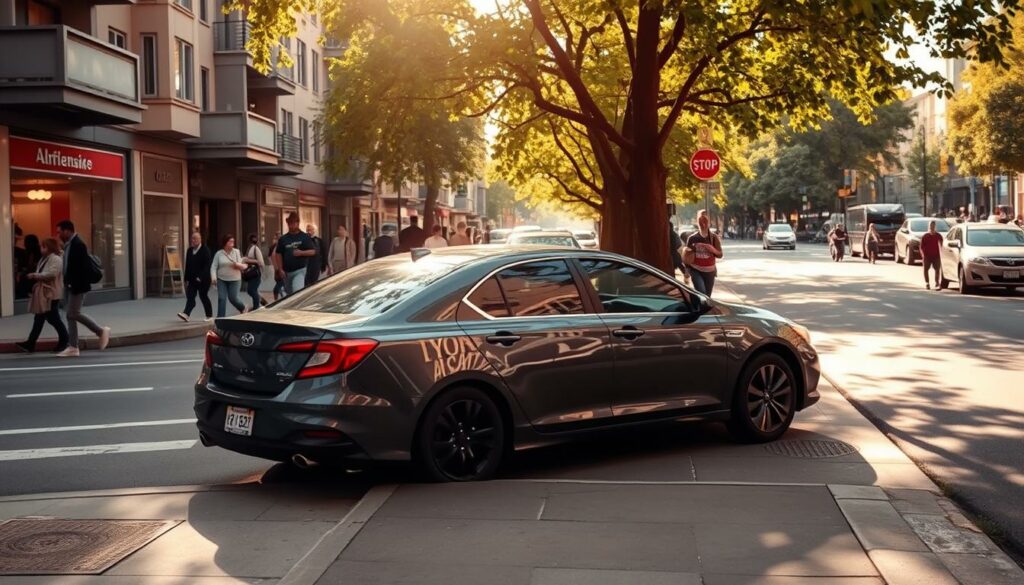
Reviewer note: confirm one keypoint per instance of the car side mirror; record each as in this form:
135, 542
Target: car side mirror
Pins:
953, 244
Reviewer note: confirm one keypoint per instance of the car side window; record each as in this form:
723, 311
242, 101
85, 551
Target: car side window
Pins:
623, 288
488, 298
540, 288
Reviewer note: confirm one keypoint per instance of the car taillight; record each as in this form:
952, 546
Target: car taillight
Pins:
211, 339
334, 356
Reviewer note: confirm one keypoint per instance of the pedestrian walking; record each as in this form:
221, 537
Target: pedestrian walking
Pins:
383, 246
252, 275
278, 280
930, 244
871, 241
226, 269
342, 254
460, 238
412, 236
837, 243
197, 277
46, 294
1019, 222
29, 261
675, 244
318, 263
292, 255
81, 271
436, 240
705, 248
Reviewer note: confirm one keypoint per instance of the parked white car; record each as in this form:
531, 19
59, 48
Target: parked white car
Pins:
976, 255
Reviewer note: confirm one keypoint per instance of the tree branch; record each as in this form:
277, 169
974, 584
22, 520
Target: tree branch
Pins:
572, 160
678, 29
627, 37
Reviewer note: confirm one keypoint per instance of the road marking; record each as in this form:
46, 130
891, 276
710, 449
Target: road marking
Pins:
148, 423
26, 454
115, 365
77, 392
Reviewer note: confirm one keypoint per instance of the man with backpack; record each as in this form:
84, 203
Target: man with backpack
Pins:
81, 271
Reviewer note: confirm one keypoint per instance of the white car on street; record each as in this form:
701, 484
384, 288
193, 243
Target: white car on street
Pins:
976, 255
779, 235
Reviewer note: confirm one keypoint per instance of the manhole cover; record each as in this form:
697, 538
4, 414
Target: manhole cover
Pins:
810, 449
72, 547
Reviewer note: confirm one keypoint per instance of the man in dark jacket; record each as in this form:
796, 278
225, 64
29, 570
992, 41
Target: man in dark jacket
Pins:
674, 244
383, 246
78, 279
197, 277
412, 236
318, 262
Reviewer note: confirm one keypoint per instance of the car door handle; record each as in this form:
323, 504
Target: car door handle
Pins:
505, 338
628, 332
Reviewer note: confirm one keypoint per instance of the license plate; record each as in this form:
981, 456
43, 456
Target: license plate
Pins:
1011, 274
238, 420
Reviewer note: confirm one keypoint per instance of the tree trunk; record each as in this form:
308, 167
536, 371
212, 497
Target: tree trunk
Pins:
430, 203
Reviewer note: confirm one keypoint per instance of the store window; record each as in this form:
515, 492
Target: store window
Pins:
163, 220
51, 182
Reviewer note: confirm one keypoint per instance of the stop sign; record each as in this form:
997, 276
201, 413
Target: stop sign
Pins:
705, 164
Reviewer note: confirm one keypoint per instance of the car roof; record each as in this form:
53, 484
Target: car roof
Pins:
541, 233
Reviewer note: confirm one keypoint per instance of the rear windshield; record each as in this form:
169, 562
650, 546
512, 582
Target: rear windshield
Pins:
546, 240
921, 225
584, 235
984, 237
780, 227
372, 288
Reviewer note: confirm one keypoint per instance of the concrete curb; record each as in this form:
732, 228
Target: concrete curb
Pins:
126, 492
185, 331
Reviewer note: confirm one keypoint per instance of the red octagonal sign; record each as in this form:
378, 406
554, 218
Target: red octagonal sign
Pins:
705, 164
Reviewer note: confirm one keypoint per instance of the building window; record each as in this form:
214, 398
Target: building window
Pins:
316, 71
287, 122
149, 70
316, 141
204, 89
204, 11
117, 38
304, 138
186, 4
300, 61
184, 75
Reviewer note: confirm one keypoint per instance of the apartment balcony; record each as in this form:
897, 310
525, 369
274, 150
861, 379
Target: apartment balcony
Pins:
334, 47
464, 205
353, 184
244, 139
60, 72
229, 45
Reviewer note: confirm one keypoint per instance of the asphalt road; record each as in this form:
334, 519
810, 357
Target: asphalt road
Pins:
941, 373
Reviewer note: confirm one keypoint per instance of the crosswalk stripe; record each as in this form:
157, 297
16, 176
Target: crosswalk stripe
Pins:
28, 454
77, 392
148, 423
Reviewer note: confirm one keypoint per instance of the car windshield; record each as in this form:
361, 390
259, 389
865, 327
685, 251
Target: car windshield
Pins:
921, 225
566, 241
780, 227
372, 288
990, 237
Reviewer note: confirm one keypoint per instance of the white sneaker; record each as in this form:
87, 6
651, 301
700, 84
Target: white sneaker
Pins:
183, 317
104, 338
69, 352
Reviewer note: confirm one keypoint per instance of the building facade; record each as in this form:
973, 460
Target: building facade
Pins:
145, 121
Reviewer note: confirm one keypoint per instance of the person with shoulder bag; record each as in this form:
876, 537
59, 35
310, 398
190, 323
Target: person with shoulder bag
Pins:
80, 273
253, 273
45, 298
226, 270
703, 248
342, 254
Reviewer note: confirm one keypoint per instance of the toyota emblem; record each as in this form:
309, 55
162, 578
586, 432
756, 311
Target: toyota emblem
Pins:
1011, 262
248, 339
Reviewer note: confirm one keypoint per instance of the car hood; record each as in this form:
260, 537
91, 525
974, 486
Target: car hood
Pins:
750, 312
996, 251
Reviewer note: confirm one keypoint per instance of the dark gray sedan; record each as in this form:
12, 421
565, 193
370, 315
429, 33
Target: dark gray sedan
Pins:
456, 357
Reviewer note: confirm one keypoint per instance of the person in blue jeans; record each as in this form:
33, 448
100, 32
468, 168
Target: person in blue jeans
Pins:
292, 256
226, 269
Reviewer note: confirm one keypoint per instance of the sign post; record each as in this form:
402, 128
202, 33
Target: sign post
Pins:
705, 164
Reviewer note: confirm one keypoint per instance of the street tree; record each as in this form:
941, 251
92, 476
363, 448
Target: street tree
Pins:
386, 121
501, 199
636, 79
923, 169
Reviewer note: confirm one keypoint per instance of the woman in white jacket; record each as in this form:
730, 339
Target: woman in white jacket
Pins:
342, 254
226, 271
47, 293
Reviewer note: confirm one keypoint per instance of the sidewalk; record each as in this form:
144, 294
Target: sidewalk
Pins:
147, 320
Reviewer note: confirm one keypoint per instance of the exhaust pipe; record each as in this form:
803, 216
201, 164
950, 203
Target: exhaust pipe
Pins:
302, 462
205, 440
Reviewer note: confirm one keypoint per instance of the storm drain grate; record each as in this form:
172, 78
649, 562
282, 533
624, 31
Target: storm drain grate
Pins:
72, 547
810, 449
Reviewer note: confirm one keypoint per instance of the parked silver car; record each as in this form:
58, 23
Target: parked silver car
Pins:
978, 255
908, 238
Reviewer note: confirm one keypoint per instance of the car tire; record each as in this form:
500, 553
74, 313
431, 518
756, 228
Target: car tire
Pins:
759, 416
910, 258
965, 289
461, 437
943, 283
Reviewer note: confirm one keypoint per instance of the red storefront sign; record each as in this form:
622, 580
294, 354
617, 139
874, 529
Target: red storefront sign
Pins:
63, 159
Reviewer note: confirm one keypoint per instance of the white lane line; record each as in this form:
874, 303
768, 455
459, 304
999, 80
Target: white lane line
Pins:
148, 423
116, 365
77, 392
26, 454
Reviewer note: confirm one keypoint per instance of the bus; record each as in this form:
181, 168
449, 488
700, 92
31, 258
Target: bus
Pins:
887, 217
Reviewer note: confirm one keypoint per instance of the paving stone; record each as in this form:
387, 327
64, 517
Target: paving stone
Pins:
402, 573
857, 492
848, 470
215, 505
879, 526
491, 500
914, 501
788, 580
584, 545
543, 576
694, 504
943, 537
993, 568
19, 509
307, 508
796, 550
911, 568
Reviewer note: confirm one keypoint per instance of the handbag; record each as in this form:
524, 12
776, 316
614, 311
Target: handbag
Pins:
252, 271
41, 299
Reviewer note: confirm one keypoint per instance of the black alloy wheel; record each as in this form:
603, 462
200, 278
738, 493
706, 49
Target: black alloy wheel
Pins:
462, 437
765, 400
